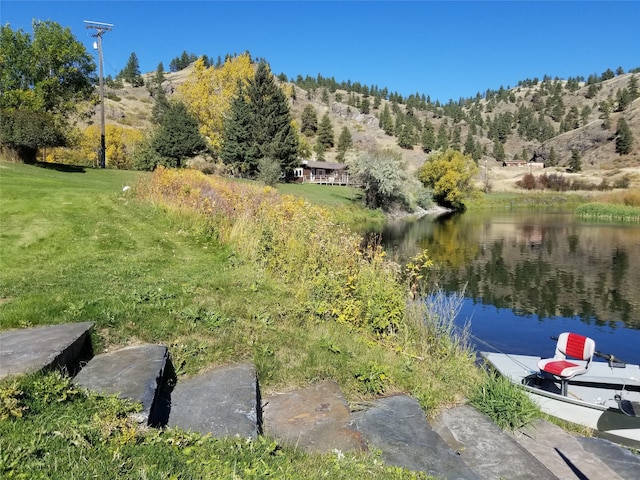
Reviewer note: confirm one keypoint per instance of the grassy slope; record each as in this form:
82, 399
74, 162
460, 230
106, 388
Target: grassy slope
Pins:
76, 247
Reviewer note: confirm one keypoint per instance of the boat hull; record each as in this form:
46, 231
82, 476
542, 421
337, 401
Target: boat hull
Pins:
591, 397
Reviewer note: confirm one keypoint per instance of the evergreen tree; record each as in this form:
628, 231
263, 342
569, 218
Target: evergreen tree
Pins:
405, 135
131, 72
552, 160
442, 140
469, 145
161, 104
624, 138
178, 136
309, 121
633, 88
605, 114
575, 164
477, 152
623, 99
273, 135
386, 121
237, 136
365, 106
428, 137
498, 151
456, 139
345, 142
320, 150
325, 132
325, 96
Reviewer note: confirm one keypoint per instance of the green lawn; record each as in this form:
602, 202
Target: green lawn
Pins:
74, 246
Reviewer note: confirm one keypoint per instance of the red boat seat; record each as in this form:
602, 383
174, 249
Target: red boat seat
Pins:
570, 345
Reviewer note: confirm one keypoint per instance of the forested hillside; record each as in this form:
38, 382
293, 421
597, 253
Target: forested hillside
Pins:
554, 121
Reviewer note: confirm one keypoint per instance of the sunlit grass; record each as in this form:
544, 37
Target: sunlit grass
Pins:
265, 278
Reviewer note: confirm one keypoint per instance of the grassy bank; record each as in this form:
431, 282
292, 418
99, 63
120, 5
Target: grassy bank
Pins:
218, 272
549, 201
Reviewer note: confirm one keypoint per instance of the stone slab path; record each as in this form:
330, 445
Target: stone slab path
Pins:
461, 443
398, 427
134, 373
223, 402
485, 448
316, 419
29, 350
561, 452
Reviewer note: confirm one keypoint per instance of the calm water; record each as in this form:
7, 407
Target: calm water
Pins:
528, 276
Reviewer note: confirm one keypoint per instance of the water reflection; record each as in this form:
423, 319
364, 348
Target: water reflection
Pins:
544, 265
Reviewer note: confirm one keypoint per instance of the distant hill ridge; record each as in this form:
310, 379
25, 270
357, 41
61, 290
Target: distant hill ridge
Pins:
543, 120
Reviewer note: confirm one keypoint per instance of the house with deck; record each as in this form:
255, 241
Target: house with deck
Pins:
325, 173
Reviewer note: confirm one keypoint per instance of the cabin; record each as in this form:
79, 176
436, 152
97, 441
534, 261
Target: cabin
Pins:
522, 163
324, 173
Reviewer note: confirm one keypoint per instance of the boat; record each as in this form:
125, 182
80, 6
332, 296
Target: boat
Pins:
577, 387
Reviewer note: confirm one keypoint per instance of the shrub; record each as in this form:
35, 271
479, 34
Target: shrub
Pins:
528, 182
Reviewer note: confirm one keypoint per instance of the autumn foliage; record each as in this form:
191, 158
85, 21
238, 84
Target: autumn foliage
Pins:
209, 91
334, 277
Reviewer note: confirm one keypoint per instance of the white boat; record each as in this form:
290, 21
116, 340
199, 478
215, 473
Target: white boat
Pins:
604, 396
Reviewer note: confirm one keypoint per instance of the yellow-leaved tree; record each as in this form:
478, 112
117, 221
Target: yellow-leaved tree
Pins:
121, 143
208, 93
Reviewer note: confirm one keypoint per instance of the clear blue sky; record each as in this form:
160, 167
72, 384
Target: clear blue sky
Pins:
446, 50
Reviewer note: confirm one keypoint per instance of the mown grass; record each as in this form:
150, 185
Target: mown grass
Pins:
219, 273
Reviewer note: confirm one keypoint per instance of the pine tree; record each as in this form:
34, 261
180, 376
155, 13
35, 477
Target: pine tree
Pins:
469, 145
624, 138
428, 137
442, 140
161, 104
498, 151
236, 137
386, 122
345, 142
575, 164
273, 135
178, 136
131, 72
309, 120
552, 160
365, 106
405, 135
633, 88
325, 132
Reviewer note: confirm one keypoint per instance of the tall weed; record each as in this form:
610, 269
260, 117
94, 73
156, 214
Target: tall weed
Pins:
332, 274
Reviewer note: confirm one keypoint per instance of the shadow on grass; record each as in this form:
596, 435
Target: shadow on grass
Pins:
61, 167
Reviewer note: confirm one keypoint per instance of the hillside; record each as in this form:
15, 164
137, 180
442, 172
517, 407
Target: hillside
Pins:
535, 121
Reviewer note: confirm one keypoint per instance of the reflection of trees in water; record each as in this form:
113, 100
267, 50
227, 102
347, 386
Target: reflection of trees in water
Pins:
544, 266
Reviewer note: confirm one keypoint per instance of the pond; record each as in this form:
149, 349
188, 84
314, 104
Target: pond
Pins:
527, 276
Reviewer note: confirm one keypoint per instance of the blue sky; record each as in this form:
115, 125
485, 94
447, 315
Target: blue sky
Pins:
445, 50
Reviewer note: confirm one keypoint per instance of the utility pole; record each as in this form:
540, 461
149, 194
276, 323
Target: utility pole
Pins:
100, 28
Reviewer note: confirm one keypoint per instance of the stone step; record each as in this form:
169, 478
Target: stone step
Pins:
316, 419
30, 350
619, 459
134, 373
398, 428
485, 448
223, 402
561, 452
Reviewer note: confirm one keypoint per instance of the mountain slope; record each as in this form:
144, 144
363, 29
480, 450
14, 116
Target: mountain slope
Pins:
535, 121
